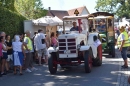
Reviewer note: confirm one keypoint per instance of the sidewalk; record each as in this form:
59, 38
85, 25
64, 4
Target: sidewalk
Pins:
123, 74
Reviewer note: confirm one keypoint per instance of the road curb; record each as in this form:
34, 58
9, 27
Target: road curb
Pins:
123, 74
119, 68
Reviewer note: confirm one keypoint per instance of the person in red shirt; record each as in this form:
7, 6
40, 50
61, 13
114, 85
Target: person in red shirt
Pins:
54, 42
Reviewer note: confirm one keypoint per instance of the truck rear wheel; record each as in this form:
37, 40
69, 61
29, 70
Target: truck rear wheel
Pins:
99, 57
98, 60
88, 61
51, 63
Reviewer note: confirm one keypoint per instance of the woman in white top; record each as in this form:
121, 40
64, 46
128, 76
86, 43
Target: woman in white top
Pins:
18, 54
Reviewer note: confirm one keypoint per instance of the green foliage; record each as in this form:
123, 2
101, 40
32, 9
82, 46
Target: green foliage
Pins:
11, 22
9, 4
119, 7
31, 9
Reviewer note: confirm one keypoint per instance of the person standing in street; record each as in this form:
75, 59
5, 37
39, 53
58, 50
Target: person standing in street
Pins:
4, 57
123, 44
21, 37
18, 54
28, 50
9, 52
34, 46
116, 36
2, 60
41, 46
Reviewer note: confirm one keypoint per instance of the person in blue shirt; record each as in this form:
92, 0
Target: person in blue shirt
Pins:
101, 27
75, 27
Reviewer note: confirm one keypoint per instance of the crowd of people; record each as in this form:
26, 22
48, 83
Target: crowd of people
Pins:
22, 51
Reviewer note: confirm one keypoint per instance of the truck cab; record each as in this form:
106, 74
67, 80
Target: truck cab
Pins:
76, 46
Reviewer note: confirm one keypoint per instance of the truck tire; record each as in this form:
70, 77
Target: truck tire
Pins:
52, 66
88, 60
99, 57
98, 60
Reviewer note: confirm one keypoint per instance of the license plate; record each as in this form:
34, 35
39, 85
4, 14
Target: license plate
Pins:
66, 51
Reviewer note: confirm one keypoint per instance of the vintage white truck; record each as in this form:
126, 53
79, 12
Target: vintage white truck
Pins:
76, 47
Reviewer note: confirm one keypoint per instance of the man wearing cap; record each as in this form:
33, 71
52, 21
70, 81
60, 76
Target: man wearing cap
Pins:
41, 44
123, 43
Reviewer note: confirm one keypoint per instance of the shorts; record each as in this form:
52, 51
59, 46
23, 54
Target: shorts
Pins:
4, 55
9, 58
124, 53
42, 52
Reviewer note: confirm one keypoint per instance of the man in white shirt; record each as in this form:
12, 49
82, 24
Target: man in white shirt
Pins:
40, 43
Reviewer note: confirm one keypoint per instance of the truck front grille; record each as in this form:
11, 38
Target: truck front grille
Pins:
67, 44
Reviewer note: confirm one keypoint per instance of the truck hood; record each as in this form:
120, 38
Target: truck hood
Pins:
71, 35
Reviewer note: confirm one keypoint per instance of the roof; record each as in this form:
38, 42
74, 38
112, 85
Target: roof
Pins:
102, 14
77, 17
101, 17
59, 13
80, 9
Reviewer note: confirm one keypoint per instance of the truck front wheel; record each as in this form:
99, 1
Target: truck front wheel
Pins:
88, 60
51, 63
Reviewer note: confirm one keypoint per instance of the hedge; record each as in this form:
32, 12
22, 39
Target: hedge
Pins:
11, 22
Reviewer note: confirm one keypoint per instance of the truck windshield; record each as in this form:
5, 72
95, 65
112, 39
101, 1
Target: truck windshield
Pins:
76, 25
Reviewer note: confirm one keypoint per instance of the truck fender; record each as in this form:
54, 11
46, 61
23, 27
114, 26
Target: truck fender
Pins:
83, 48
94, 50
52, 49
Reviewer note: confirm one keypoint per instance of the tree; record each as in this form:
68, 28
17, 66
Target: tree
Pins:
9, 4
31, 9
120, 8
11, 21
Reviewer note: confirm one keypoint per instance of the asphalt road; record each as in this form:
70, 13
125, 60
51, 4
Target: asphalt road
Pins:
105, 75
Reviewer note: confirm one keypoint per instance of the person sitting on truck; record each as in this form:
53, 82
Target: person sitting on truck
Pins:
75, 27
101, 27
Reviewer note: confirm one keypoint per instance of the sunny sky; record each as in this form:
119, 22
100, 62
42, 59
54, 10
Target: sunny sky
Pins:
69, 4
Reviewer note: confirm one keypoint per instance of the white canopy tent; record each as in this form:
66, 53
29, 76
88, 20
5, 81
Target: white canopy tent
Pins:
48, 21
